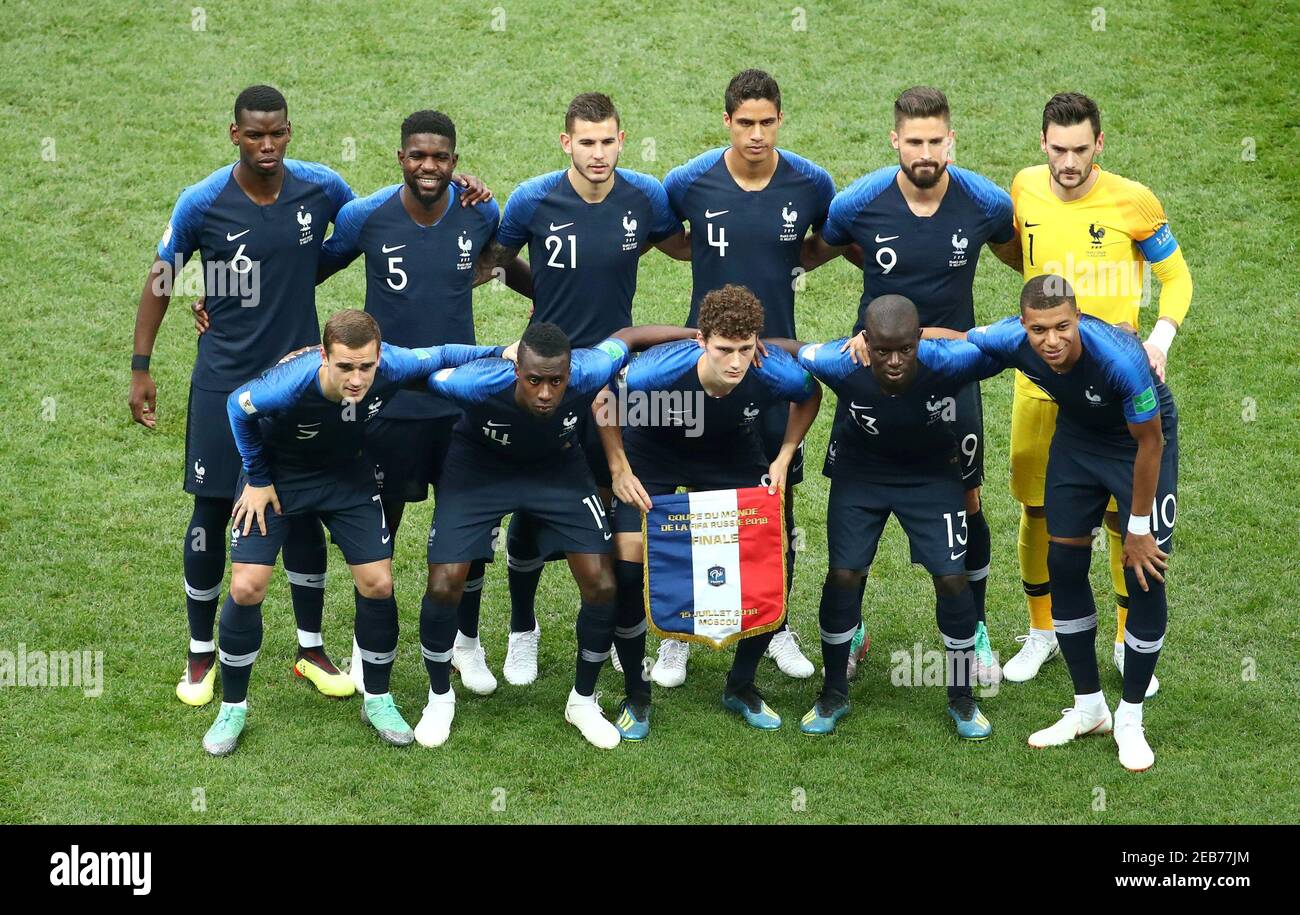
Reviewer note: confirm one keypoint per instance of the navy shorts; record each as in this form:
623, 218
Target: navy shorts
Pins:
212, 463
772, 433
358, 528
474, 495
968, 426
408, 454
659, 478
1080, 484
931, 507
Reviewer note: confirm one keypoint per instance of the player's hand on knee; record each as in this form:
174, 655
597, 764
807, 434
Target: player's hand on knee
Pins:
1157, 359
143, 399
857, 348
201, 322
627, 488
1145, 558
476, 191
252, 505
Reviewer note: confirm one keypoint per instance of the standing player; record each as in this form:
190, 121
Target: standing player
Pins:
715, 444
921, 225
1116, 436
258, 226
300, 429
1098, 230
423, 254
517, 448
751, 209
586, 228
897, 455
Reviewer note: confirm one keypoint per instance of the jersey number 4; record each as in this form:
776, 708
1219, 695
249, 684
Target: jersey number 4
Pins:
720, 241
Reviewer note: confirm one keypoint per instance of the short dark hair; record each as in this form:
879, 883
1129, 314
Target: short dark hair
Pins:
890, 314
1047, 291
260, 98
1065, 109
752, 84
351, 328
921, 102
545, 340
428, 121
590, 106
732, 312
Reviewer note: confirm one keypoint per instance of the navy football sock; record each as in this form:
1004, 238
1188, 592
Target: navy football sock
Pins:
205, 564
979, 552
630, 628
305, 559
595, 630
471, 598
376, 629
1074, 614
241, 639
437, 632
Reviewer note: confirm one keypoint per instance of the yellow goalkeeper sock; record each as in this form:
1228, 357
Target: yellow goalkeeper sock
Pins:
1117, 581
1032, 547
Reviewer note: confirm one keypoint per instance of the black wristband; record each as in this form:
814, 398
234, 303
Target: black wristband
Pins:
139, 363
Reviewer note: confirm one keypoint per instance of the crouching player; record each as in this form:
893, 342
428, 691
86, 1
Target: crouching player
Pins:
1116, 435
517, 448
299, 428
707, 435
898, 455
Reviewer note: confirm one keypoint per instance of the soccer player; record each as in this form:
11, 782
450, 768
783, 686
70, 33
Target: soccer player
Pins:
258, 226
586, 227
713, 443
300, 428
1098, 230
752, 209
921, 224
423, 255
518, 448
898, 455
1116, 435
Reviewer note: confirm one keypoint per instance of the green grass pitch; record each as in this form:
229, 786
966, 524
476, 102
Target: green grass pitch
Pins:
109, 109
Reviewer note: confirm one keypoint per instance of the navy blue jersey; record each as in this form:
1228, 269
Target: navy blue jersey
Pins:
501, 430
894, 436
418, 278
929, 259
584, 256
1108, 388
259, 266
750, 238
670, 417
290, 434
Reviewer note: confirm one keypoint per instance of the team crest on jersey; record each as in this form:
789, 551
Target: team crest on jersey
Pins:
789, 216
942, 409
199, 472
629, 232
304, 226
570, 423
466, 245
959, 244
372, 409
750, 414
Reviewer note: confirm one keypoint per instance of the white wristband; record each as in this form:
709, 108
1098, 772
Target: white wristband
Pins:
1139, 524
1162, 335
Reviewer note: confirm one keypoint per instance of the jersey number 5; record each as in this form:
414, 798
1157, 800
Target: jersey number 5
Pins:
395, 269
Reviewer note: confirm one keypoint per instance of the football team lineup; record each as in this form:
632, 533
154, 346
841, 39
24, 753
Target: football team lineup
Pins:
576, 428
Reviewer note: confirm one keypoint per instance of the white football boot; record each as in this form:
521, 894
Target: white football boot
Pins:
670, 669
1039, 648
784, 649
584, 713
1135, 754
468, 657
1075, 722
435, 723
520, 668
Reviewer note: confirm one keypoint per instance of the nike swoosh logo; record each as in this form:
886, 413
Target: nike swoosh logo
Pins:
857, 406
1163, 542
955, 556
607, 535
230, 237
555, 228
388, 250
386, 539
709, 214
496, 425
879, 238
1030, 225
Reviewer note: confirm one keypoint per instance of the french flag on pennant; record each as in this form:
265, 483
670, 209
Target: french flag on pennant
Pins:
715, 565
